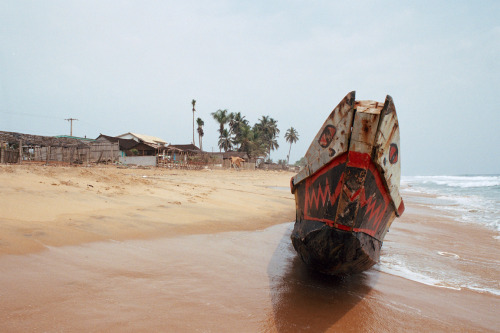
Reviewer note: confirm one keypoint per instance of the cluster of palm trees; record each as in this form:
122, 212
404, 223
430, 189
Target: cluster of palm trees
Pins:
235, 133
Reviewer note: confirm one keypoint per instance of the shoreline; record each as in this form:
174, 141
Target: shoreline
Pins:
146, 250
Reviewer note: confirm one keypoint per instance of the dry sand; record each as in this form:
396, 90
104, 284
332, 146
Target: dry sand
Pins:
133, 250
54, 206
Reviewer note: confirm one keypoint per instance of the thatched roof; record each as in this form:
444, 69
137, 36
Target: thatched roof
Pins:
43, 141
188, 147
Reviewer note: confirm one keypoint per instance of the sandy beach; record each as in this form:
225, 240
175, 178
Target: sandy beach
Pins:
56, 206
140, 250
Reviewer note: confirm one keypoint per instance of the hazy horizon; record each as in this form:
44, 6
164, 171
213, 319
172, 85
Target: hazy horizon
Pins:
135, 66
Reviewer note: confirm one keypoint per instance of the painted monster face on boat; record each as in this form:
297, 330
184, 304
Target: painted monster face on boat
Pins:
365, 204
348, 193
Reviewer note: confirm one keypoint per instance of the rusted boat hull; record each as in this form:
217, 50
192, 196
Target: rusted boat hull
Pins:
348, 194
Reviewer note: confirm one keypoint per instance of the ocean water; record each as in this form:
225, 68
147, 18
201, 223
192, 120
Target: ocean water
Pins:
470, 198
473, 199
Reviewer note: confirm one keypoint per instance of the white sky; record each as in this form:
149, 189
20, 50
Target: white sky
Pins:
135, 66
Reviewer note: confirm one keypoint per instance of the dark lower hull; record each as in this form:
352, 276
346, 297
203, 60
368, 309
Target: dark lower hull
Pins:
333, 251
343, 213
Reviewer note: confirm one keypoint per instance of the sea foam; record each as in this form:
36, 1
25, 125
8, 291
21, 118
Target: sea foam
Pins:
420, 272
456, 181
471, 199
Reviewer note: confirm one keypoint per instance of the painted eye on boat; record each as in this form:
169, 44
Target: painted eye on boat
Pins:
327, 136
393, 153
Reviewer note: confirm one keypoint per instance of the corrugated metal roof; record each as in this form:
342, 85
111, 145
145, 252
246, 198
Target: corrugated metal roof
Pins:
145, 138
125, 144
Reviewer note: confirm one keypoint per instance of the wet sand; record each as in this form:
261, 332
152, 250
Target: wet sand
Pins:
131, 265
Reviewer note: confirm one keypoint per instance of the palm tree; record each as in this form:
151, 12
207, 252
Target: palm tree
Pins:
221, 117
268, 131
245, 139
273, 133
263, 124
200, 123
193, 102
225, 141
230, 122
272, 145
236, 124
291, 136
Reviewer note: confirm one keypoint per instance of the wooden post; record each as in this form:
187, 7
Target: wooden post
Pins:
2, 153
47, 153
20, 151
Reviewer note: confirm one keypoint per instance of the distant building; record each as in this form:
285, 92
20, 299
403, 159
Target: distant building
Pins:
148, 139
189, 147
127, 146
73, 137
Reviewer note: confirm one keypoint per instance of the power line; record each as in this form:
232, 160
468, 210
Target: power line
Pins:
24, 114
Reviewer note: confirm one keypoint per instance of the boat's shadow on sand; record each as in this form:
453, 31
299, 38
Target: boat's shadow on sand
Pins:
304, 300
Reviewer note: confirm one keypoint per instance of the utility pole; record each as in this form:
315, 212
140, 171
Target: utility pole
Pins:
71, 126
194, 103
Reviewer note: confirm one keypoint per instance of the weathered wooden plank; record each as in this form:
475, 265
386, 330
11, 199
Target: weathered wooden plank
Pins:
387, 153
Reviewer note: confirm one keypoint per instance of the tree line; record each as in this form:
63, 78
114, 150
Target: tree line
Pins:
236, 134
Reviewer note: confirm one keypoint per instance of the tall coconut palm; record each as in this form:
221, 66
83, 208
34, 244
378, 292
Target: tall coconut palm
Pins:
200, 123
291, 136
225, 141
221, 117
193, 102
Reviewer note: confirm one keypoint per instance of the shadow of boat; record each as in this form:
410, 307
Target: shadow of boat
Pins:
304, 300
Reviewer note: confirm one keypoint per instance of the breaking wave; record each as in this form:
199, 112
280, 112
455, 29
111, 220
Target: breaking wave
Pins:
421, 272
456, 181
472, 199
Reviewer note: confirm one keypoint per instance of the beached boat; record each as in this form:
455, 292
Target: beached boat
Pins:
347, 195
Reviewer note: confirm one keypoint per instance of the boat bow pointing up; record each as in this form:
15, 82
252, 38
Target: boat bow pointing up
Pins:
347, 195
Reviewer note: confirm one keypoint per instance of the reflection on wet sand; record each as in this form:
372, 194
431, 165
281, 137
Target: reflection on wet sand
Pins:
304, 300
249, 281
